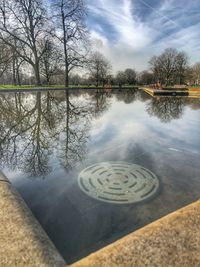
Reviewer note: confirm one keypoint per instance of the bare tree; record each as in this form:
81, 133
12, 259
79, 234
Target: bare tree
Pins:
169, 66
130, 76
196, 73
181, 67
50, 61
5, 58
10, 63
75, 79
126, 77
69, 16
99, 68
145, 77
121, 78
189, 76
17, 62
24, 21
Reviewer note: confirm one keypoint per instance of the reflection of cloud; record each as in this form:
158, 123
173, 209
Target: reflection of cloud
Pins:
115, 119
125, 126
130, 32
113, 132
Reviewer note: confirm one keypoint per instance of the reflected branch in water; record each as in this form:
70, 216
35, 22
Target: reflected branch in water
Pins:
73, 132
23, 142
128, 96
166, 108
100, 102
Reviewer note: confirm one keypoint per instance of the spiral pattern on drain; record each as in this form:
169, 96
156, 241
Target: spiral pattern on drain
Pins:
118, 182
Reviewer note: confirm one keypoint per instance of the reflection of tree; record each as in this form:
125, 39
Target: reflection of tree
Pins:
23, 142
194, 103
100, 102
35, 125
128, 96
74, 130
143, 96
166, 108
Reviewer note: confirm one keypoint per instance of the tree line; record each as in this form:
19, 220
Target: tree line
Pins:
50, 39
169, 68
44, 44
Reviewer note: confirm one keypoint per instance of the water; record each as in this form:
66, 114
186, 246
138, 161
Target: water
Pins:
47, 139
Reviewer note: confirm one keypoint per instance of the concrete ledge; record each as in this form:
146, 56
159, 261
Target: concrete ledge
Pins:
166, 92
189, 92
22, 240
171, 241
3, 178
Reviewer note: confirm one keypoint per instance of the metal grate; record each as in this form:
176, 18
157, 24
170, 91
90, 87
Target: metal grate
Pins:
118, 182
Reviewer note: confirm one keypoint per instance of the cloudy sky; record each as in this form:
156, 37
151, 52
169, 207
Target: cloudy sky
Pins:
129, 32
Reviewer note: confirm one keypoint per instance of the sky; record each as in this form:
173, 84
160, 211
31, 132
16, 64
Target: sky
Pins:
130, 32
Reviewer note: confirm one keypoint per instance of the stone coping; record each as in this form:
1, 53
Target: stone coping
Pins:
23, 242
3, 178
173, 240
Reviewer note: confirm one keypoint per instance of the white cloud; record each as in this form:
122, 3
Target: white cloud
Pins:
136, 39
130, 32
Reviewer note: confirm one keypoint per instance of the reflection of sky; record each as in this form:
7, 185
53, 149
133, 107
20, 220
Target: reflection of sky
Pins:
120, 132
124, 125
123, 128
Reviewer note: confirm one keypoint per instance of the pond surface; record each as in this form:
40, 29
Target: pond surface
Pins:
47, 139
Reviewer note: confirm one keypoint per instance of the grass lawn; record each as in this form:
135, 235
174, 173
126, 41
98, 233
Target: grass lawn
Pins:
8, 86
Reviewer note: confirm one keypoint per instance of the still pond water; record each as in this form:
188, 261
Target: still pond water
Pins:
47, 139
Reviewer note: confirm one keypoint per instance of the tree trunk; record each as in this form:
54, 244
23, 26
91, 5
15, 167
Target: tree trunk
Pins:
66, 75
14, 71
65, 47
37, 74
18, 75
48, 80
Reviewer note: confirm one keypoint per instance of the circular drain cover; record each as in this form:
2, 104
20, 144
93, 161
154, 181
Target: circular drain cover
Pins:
118, 182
